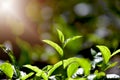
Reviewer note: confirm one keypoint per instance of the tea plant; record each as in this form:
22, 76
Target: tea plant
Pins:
73, 68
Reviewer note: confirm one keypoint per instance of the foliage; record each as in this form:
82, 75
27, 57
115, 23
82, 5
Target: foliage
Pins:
73, 68
54, 45
7, 69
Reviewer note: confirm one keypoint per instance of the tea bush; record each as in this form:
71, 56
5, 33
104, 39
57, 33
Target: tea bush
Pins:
73, 68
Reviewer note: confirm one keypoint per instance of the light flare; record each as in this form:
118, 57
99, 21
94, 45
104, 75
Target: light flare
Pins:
6, 6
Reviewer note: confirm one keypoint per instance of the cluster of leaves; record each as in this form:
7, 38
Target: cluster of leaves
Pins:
73, 68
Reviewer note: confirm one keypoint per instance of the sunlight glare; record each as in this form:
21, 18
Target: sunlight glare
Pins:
6, 5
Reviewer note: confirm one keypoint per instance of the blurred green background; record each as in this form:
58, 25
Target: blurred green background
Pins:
25, 23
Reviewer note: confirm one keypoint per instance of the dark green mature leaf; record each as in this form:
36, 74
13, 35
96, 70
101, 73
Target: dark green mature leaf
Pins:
71, 39
72, 68
7, 69
10, 54
61, 36
116, 52
105, 53
55, 46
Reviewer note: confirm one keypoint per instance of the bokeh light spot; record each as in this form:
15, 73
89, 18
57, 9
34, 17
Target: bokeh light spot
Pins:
16, 26
46, 13
82, 9
33, 10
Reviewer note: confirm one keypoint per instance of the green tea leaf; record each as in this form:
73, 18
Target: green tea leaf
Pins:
105, 53
38, 71
27, 76
76, 79
33, 68
71, 39
111, 65
47, 68
58, 64
61, 36
72, 68
116, 52
55, 46
7, 69
99, 75
9, 53
84, 63
12, 58
44, 76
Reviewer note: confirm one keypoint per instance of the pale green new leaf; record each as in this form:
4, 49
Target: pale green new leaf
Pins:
72, 68
111, 65
47, 68
7, 69
58, 64
71, 39
84, 63
100, 74
116, 52
55, 46
61, 36
105, 53
33, 68
38, 71
27, 76
76, 79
